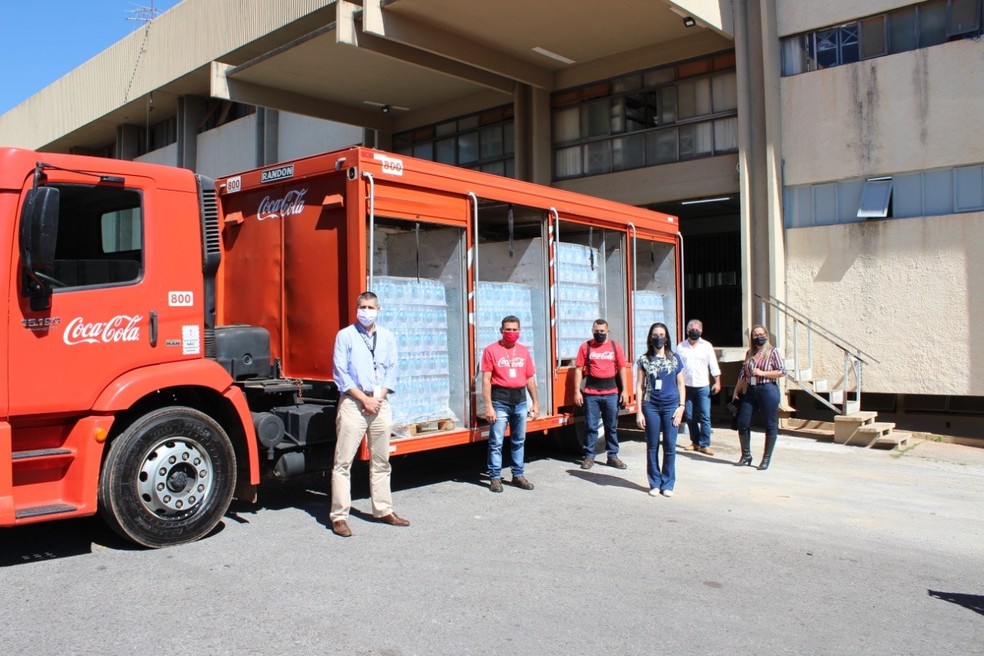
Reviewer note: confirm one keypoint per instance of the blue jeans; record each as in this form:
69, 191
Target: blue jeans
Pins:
659, 419
763, 397
515, 415
699, 415
605, 405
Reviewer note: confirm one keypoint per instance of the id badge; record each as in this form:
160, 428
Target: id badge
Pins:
512, 373
658, 384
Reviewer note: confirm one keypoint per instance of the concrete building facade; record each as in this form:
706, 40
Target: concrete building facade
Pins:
826, 159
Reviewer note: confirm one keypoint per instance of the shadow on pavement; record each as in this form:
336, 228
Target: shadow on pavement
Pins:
973, 602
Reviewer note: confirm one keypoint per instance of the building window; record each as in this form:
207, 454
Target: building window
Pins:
483, 142
670, 114
908, 28
939, 192
876, 199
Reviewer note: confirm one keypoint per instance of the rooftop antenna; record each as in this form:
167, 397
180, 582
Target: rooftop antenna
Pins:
145, 15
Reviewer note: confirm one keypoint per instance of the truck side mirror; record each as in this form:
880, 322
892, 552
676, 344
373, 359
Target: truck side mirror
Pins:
38, 236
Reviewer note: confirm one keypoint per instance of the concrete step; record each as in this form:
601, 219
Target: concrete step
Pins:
867, 434
893, 440
845, 426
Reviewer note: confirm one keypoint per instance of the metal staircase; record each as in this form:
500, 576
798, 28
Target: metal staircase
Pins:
798, 333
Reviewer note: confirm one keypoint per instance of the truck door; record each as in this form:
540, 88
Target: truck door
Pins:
103, 309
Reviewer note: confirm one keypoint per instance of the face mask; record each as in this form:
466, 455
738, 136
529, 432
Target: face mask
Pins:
760, 341
658, 342
600, 337
694, 335
366, 316
510, 338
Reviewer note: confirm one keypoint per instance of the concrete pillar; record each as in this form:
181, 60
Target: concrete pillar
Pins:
267, 136
127, 142
191, 112
531, 116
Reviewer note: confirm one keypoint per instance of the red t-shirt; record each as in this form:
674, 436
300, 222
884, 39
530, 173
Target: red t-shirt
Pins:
510, 366
606, 360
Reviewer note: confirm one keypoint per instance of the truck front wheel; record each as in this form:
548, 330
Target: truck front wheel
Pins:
168, 478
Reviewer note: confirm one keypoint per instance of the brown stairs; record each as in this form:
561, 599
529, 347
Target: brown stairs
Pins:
851, 425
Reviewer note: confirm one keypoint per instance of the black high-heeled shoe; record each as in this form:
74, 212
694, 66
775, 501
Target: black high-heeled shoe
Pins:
765, 463
745, 461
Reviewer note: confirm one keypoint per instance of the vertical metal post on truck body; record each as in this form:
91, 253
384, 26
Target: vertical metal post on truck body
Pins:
683, 281
553, 245
635, 285
472, 262
372, 226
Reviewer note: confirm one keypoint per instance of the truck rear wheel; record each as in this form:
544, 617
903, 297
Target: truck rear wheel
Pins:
168, 478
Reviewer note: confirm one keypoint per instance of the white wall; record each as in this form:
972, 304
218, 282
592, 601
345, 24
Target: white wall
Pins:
906, 112
906, 290
300, 136
229, 148
167, 155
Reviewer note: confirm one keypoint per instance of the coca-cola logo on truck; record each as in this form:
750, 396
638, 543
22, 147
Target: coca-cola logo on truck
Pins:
121, 328
280, 208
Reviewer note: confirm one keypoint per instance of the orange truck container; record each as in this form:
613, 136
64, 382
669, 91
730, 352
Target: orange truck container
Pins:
169, 338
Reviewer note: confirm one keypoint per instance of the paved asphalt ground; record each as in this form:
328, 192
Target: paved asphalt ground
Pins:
834, 550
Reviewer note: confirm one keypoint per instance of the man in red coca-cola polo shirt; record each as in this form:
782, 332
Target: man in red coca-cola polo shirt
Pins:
602, 362
507, 374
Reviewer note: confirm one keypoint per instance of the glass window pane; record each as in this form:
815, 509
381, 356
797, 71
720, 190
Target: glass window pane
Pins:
968, 188
702, 96
491, 141
907, 195
629, 152
964, 17
827, 45
661, 147
794, 55
876, 196
726, 135
850, 50
468, 122
825, 204
938, 192
667, 105
873, 37
618, 116
424, 150
902, 30
703, 139
598, 158
932, 23
497, 168
510, 168
656, 78
467, 148
567, 162
508, 138
445, 151
725, 90
567, 125
594, 119
444, 129
686, 99
627, 83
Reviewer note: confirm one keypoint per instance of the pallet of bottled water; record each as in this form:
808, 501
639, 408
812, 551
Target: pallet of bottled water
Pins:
416, 311
497, 300
578, 296
648, 309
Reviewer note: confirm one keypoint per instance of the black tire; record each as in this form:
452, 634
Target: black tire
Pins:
168, 478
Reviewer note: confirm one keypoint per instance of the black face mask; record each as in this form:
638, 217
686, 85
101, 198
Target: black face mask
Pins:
600, 337
759, 341
657, 342
694, 335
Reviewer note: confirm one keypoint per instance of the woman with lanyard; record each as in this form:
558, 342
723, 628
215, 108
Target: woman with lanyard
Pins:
758, 389
660, 388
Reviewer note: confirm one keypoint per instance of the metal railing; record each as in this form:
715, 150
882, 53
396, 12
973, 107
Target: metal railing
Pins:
794, 322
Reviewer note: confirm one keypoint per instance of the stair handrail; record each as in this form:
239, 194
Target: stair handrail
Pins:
820, 329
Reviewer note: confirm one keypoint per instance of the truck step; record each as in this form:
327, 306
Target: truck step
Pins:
37, 511
40, 453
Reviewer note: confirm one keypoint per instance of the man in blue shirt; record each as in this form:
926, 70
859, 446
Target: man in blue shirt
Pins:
365, 371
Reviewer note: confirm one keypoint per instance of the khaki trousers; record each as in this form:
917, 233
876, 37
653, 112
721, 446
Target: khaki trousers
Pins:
350, 425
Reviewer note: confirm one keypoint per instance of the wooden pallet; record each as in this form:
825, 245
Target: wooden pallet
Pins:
434, 426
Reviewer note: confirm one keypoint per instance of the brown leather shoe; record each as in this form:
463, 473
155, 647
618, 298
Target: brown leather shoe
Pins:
691, 447
341, 528
393, 520
522, 483
706, 450
587, 463
616, 463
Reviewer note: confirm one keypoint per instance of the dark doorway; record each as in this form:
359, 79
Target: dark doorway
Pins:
712, 265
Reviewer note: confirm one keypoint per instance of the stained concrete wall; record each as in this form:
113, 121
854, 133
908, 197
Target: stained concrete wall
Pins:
906, 290
906, 112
